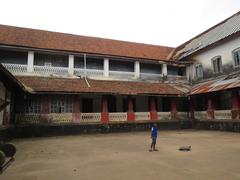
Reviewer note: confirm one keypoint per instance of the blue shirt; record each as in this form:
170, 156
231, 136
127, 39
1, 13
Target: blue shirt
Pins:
154, 132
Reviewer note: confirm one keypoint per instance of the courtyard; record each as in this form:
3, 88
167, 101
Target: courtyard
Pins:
117, 156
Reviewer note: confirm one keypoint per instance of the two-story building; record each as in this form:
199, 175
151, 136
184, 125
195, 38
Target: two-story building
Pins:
76, 80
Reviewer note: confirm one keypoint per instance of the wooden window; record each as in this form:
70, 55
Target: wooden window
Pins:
61, 104
199, 70
236, 57
33, 106
217, 64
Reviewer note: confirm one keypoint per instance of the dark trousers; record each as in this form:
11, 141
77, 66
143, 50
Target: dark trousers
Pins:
154, 139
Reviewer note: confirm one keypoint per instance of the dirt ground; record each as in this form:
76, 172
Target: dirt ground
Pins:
214, 155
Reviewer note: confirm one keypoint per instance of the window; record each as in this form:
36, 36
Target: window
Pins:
199, 70
33, 106
61, 104
236, 57
217, 64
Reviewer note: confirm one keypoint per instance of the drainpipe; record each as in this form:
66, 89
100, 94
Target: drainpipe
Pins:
85, 70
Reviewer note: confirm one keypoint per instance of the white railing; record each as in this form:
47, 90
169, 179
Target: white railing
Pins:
90, 117
150, 76
141, 116
223, 114
89, 72
182, 115
27, 118
50, 70
15, 68
60, 118
118, 116
164, 115
202, 115
121, 74
175, 77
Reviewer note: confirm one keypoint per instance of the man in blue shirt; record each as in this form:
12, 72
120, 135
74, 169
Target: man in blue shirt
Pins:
154, 132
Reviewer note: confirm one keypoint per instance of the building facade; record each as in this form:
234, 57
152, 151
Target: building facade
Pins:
78, 80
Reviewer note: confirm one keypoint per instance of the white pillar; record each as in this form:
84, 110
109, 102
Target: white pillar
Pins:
71, 64
164, 69
106, 67
30, 61
136, 69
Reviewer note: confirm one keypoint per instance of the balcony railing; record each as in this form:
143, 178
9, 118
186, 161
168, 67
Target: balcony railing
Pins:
118, 116
201, 115
223, 114
16, 68
50, 70
141, 116
89, 72
121, 74
150, 76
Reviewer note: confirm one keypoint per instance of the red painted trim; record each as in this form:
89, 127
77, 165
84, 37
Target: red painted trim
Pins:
76, 109
130, 113
153, 109
45, 109
210, 107
105, 114
173, 107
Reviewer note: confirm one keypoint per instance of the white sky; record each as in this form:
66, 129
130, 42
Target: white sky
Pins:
168, 23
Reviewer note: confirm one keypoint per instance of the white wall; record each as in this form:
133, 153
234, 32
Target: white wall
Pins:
223, 50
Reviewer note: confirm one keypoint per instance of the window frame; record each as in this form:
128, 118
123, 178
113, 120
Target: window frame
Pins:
233, 57
196, 72
220, 69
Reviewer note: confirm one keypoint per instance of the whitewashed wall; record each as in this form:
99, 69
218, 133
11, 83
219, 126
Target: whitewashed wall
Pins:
223, 50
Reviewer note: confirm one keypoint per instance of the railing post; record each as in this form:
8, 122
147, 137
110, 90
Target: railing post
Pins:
130, 112
173, 107
45, 109
210, 107
136, 70
71, 64
235, 105
104, 114
153, 109
76, 110
106, 67
30, 61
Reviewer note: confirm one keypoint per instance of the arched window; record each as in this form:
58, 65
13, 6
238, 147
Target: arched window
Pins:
236, 57
217, 64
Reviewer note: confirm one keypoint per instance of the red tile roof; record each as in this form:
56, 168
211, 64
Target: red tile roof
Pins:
67, 85
25, 37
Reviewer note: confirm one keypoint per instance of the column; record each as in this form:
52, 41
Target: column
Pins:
173, 107
76, 110
71, 64
191, 107
235, 104
105, 114
164, 70
106, 67
136, 70
210, 108
45, 109
153, 109
30, 61
130, 112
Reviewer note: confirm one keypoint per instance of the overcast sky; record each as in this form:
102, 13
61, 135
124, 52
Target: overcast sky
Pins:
160, 22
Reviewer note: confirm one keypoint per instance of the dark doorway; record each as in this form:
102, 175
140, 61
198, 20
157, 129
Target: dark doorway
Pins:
87, 105
112, 104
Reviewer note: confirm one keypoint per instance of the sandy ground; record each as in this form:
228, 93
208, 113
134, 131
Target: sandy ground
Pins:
214, 155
